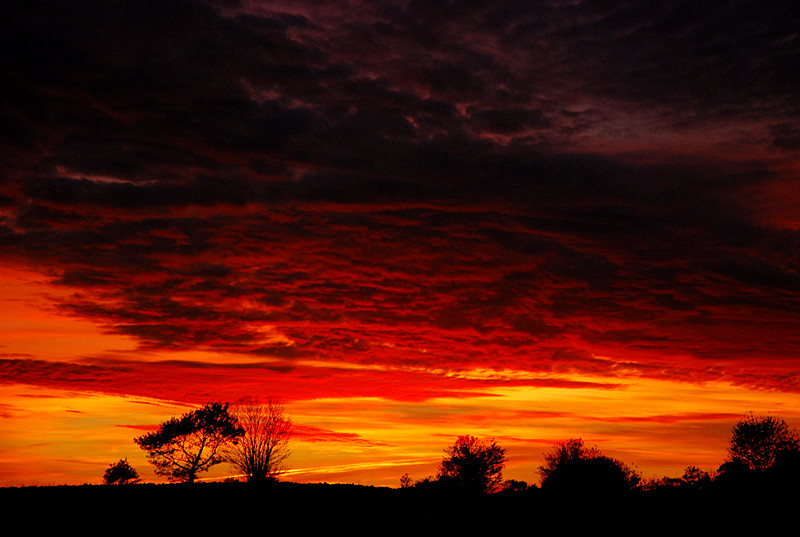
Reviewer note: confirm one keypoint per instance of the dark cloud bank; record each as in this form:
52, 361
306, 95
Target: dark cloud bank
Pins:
417, 184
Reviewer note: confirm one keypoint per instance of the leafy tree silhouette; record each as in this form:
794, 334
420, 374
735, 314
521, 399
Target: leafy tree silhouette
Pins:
564, 453
512, 485
758, 441
120, 473
570, 467
183, 447
261, 451
472, 466
695, 479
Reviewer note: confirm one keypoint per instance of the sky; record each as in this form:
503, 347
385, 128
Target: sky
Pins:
407, 220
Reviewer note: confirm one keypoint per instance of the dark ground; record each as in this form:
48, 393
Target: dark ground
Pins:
222, 508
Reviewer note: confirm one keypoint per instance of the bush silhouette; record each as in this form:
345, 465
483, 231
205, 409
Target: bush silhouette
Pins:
571, 468
601, 475
120, 473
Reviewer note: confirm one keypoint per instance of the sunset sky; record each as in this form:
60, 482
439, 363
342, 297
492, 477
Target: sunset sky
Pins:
407, 220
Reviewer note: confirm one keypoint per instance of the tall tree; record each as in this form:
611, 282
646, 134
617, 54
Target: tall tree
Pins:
261, 452
758, 440
183, 447
472, 465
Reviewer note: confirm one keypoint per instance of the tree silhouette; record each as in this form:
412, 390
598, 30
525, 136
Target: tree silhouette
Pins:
472, 465
262, 450
183, 447
695, 478
564, 453
758, 441
512, 485
571, 467
120, 473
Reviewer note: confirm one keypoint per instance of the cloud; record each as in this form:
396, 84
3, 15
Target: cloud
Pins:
316, 434
196, 382
408, 184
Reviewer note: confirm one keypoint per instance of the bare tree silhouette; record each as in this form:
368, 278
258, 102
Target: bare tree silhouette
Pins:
261, 452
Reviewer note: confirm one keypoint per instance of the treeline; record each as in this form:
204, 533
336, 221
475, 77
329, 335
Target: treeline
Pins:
764, 454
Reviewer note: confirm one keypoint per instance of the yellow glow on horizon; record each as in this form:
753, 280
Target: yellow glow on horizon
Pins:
66, 437
659, 426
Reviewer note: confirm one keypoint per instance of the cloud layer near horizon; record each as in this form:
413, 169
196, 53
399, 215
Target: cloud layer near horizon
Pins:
605, 189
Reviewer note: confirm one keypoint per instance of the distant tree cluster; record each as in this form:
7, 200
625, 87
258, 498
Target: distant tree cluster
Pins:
693, 479
758, 445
